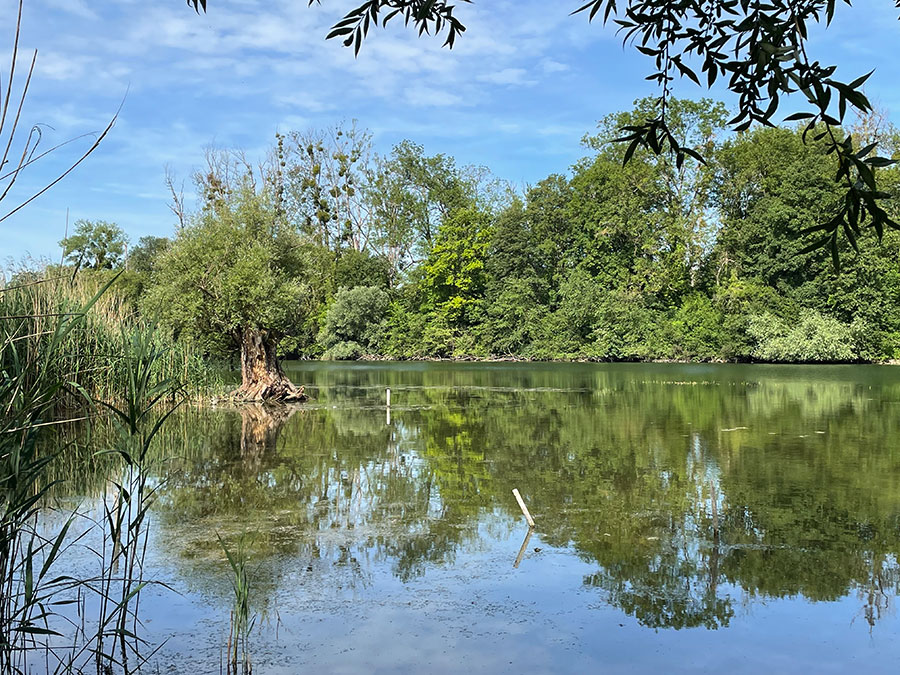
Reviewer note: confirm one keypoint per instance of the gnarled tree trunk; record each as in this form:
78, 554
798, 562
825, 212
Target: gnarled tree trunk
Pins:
261, 376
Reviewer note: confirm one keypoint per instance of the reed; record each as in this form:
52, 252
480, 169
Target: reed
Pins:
30, 392
242, 620
138, 419
90, 360
73, 351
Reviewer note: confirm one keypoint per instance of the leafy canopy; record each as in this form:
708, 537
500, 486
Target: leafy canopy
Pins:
96, 244
235, 267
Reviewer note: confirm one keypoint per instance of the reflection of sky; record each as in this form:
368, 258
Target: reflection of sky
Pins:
516, 94
480, 615
362, 568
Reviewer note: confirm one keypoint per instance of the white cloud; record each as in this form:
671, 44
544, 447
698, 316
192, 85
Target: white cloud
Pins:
549, 66
428, 96
507, 76
55, 66
77, 8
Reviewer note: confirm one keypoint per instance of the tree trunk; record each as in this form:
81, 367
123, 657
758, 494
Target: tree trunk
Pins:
261, 376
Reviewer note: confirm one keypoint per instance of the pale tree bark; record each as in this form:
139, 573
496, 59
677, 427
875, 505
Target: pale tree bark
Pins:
261, 376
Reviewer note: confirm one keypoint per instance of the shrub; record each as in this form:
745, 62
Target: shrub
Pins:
358, 315
343, 351
697, 329
814, 337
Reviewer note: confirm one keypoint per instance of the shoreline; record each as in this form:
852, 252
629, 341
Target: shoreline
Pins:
376, 358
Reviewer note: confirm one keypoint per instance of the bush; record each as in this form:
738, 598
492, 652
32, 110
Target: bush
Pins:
813, 338
697, 329
629, 328
515, 318
343, 351
357, 315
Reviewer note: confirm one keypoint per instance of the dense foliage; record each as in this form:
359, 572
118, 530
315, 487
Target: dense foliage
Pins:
343, 253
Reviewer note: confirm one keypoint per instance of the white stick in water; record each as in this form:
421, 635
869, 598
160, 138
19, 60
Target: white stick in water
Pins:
388, 398
524, 508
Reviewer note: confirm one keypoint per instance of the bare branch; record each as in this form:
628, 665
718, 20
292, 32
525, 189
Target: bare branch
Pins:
176, 206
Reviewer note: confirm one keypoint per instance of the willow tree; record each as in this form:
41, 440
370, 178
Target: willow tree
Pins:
235, 279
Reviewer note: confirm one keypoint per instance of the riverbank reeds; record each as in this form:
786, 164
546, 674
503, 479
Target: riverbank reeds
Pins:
30, 393
73, 350
92, 354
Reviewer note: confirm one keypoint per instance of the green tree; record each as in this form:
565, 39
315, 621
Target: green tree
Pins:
772, 184
538, 241
651, 219
143, 257
237, 277
356, 268
697, 329
515, 317
455, 278
355, 323
96, 244
411, 195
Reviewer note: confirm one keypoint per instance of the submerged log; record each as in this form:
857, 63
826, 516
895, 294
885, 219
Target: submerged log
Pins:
262, 378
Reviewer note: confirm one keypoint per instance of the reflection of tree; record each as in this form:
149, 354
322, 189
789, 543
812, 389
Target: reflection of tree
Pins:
260, 426
651, 477
336, 488
666, 596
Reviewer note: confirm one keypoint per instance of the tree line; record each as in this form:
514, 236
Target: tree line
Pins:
326, 249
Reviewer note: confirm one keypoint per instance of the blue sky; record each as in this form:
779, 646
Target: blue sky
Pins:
523, 85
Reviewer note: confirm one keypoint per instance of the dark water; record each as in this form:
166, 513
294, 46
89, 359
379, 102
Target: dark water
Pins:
689, 518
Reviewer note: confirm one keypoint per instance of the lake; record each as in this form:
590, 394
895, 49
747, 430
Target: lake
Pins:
688, 518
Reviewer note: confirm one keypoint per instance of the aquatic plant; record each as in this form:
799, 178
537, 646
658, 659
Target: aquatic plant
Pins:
242, 621
125, 507
30, 391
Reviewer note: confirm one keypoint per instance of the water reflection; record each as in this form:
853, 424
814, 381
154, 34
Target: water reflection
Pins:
691, 491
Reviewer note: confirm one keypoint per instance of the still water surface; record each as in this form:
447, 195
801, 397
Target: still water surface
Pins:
689, 518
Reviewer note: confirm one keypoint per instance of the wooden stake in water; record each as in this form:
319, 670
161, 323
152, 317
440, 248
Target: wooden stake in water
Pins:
524, 508
388, 398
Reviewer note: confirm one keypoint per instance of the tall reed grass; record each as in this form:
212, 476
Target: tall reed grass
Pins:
72, 349
92, 354
238, 660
